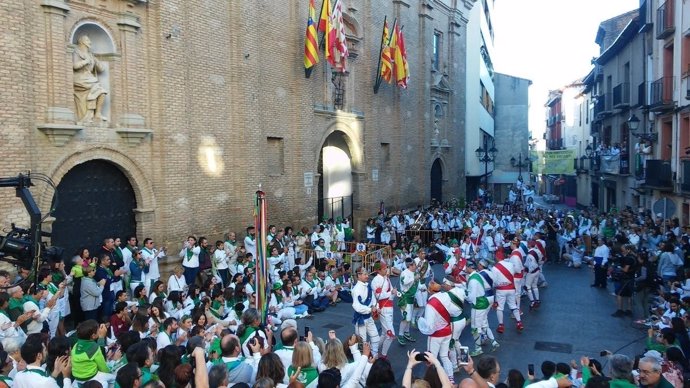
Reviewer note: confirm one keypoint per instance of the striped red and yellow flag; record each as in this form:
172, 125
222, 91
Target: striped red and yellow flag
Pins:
325, 15
311, 43
402, 70
386, 60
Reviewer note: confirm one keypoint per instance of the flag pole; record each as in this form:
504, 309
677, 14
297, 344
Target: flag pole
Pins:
377, 82
322, 41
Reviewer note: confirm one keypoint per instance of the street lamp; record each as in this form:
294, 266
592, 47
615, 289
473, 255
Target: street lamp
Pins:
486, 155
520, 164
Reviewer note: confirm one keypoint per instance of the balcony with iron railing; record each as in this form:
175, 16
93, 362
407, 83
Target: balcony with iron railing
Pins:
608, 103
661, 94
658, 175
642, 94
599, 105
617, 164
665, 25
621, 96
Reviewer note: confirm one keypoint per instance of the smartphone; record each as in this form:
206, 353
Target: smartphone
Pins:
530, 369
463, 355
420, 357
307, 329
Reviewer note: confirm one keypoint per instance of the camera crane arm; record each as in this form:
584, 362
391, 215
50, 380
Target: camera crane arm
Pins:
22, 183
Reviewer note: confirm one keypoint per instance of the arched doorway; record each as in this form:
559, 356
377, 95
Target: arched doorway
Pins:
335, 178
95, 201
437, 181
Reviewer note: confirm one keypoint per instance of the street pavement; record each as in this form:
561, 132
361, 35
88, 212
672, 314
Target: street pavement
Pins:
574, 320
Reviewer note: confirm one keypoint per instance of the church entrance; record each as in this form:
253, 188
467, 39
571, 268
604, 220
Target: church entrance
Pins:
95, 201
437, 182
335, 178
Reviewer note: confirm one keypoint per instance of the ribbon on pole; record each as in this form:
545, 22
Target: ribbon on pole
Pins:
261, 273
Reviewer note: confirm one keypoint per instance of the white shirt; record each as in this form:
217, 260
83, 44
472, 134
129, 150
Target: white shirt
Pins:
602, 251
176, 284
192, 262
250, 246
151, 257
37, 377
221, 258
162, 340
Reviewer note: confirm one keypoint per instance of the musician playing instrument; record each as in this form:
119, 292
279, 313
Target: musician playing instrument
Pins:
383, 292
364, 304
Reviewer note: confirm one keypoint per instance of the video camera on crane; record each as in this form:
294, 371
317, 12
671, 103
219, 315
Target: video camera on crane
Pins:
21, 246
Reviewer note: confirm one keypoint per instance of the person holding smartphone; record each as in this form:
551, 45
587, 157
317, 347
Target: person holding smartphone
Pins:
414, 358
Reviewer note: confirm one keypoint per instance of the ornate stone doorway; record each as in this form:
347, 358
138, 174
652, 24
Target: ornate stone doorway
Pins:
95, 201
335, 178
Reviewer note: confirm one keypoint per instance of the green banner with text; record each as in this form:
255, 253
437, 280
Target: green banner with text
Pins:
553, 162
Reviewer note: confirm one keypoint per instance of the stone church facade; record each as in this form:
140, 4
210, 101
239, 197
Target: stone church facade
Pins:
194, 103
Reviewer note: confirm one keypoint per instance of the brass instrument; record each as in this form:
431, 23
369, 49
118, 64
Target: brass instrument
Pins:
417, 225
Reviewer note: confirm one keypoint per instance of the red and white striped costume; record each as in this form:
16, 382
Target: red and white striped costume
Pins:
437, 324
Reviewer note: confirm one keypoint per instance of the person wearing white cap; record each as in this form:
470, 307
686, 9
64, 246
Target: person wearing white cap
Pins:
504, 277
436, 324
480, 295
383, 293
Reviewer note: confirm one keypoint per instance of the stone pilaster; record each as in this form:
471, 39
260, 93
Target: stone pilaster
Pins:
59, 116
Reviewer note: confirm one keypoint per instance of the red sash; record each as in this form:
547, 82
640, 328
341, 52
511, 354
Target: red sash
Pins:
385, 302
438, 306
507, 275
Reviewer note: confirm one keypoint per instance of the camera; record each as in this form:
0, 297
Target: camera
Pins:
17, 247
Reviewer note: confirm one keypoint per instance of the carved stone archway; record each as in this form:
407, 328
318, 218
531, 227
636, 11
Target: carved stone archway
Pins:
141, 184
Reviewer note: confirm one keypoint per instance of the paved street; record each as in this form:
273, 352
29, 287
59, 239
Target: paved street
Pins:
574, 320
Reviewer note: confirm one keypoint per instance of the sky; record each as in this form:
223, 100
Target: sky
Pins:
550, 42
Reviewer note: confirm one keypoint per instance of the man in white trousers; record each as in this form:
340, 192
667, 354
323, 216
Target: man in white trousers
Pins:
480, 295
503, 274
383, 292
532, 275
364, 304
455, 288
519, 250
436, 324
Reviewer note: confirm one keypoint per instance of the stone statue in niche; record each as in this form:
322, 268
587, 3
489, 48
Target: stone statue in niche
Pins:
89, 94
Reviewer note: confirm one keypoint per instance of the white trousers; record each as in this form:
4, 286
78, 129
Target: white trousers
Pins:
106, 380
387, 328
369, 330
531, 281
503, 297
439, 346
519, 283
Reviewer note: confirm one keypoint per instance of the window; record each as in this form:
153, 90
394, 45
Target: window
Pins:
485, 99
685, 61
385, 156
275, 157
436, 54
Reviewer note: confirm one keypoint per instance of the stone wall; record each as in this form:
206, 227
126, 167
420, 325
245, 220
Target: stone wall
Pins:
197, 88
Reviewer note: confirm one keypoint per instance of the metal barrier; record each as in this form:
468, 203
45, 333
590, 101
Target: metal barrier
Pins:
429, 236
351, 256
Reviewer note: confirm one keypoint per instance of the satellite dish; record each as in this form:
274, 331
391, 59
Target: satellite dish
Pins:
665, 207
